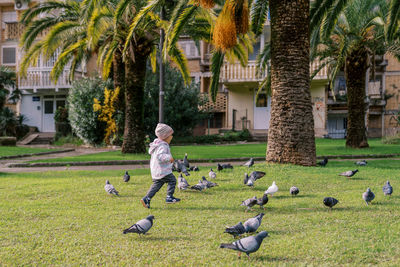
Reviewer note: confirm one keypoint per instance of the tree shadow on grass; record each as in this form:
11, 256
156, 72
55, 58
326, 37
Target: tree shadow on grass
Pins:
150, 237
272, 259
357, 178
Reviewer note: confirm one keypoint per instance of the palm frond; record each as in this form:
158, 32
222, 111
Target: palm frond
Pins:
258, 15
263, 58
332, 17
217, 60
153, 59
30, 58
394, 19
180, 60
34, 29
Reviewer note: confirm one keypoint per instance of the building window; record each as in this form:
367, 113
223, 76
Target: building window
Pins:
8, 17
48, 107
189, 49
9, 55
262, 101
256, 50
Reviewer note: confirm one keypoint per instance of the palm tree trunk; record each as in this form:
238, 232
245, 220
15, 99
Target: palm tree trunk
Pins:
355, 71
135, 75
291, 134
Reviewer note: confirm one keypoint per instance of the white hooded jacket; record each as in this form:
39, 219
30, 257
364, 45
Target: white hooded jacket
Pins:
160, 164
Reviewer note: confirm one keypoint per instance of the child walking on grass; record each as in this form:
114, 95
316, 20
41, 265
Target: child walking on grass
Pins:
161, 165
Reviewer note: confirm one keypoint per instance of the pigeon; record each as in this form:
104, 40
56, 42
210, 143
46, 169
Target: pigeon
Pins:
330, 202
212, 174
186, 162
219, 167
227, 166
199, 187
255, 175
127, 177
368, 196
348, 173
248, 244
180, 167
252, 224
249, 203
207, 183
387, 189
323, 162
361, 162
236, 230
262, 201
182, 183
110, 188
141, 227
194, 168
294, 190
249, 163
272, 189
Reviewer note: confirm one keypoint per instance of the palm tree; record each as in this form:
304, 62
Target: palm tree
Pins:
7, 79
359, 34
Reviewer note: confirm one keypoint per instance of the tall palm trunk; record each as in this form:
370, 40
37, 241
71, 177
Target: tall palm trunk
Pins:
135, 75
355, 71
291, 133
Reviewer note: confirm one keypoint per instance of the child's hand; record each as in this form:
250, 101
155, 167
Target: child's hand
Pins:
172, 160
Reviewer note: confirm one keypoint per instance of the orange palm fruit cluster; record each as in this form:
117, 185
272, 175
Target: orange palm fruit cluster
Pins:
242, 18
205, 3
224, 34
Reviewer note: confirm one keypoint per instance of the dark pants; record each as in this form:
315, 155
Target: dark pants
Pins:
157, 184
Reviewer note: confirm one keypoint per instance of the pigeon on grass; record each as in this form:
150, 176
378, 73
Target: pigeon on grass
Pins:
272, 189
249, 163
200, 186
368, 196
141, 227
294, 190
323, 163
387, 189
127, 177
194, 168
110, 189
186, 162
212, 174
236, 230
254, 176
252, 224
249, 203
207, 183
180, 167
247, 245
182, 183
224, 166
361, 163
262, 201
348, 173
330, 202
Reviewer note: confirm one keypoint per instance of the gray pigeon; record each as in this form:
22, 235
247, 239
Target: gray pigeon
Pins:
252, 224
186, 162
387, 189
248, 244
294, 190
249, 203
127, 177
348, 173
361, 162
180, 167
254, 176
207, 183
194, 168
182, 183
368, 196
330, 202
212, 174
236, 230
227, 166
323, 162
110, 189
141, 227
249, 163
199, 187
262, 201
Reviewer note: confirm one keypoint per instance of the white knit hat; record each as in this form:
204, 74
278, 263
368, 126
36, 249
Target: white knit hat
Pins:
163, 131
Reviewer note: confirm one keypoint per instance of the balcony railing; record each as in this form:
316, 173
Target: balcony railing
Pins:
220, 104
13, 30
231, 73
39, 78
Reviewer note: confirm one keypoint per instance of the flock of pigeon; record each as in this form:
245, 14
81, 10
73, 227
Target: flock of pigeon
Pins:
247, 244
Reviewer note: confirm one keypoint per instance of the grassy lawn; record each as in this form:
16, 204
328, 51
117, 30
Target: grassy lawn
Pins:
324, 147
15, 150
66, 218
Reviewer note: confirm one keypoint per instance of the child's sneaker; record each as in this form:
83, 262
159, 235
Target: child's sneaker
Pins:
145, 202
171, 200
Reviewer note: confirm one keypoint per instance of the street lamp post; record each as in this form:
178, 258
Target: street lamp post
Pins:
161, 96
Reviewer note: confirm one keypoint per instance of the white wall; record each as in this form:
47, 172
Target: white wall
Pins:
29, 109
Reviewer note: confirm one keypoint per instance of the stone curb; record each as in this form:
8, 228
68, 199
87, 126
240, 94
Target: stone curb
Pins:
37, 154
141, 162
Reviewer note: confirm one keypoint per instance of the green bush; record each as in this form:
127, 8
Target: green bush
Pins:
181, 103
84, 121
392, 140
68, 140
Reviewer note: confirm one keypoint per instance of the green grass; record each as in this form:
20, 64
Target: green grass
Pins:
66, 218
324, 147
15, 150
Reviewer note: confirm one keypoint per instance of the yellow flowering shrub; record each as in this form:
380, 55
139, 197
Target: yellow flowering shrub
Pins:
107, 111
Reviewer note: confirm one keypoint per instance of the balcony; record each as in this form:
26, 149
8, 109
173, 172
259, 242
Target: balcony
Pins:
233, 73
39, 78
13, 31
220, 104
